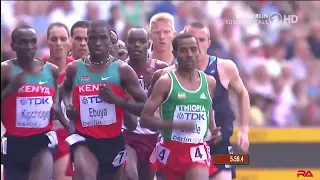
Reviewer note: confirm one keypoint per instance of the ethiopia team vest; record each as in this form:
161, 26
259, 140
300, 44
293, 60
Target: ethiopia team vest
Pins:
184, 105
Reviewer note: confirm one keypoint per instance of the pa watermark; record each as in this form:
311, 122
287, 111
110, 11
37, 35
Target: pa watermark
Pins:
273, 18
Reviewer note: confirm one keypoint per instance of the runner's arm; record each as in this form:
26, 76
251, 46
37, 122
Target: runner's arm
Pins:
66, 87
129, 80
130, 121
57, 109
5, 73
158, 95
156, 75
236, 85
211, 87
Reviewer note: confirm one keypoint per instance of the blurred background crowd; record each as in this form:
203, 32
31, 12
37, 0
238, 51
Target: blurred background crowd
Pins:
279, 63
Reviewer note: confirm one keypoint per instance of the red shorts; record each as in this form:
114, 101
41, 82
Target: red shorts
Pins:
174, 159
143, 144
63, 149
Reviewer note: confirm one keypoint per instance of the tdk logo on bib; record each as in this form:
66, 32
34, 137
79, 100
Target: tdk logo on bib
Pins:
190, 112
91, 100
35, 101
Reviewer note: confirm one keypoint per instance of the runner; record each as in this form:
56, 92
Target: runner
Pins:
98, 90
227, 75
118, 48
162, 32
79, 39
28, 93
183, 94
122, 52
59, 44
142, 141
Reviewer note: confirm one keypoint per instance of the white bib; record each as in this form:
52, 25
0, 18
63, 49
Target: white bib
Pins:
197, 134
95, 112
33, 112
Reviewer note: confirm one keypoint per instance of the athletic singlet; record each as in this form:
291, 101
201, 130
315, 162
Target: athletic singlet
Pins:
97, 119
63, 75
223, 113
30, 106
139, 129
184, 105
60, 81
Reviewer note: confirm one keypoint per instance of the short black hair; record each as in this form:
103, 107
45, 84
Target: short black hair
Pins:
198, 24
79, 24
98, 23
16, 31
58, 24
177, 38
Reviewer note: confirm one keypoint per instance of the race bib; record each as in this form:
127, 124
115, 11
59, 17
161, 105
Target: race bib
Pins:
192, 113
52, 135
162, 154
95, 112
120, 158
198, 153
33, 112
74, 138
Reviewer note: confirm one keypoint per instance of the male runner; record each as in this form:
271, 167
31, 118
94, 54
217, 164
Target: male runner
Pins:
184, 97
28, 94
59, 45
142, 140
118, 48
98, 90
227, 77
162, 32
79, 39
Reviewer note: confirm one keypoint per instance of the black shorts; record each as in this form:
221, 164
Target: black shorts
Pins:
20, 151
223, 147
110, 152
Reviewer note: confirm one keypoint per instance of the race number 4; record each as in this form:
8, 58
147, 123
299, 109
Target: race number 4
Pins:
198, 153
162, 154
120, 158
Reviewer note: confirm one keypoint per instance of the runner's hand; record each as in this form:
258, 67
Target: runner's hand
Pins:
71, 112
216, 135
185, 126
18, 81
243, 141
107, 95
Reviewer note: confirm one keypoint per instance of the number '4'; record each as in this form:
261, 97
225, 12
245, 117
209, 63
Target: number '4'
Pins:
198, 153
161, 154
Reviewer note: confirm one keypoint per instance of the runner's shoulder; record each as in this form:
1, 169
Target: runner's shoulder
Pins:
6, 67
226, 65
72, 67
160, 64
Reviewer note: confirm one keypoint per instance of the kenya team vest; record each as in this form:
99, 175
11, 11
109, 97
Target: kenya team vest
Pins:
97, 118
28, 111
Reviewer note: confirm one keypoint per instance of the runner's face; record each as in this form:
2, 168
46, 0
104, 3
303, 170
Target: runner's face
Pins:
25, 44
162, 35
138, 44
188, 53
99, 41
80, 42
58, 42
202, 34
114, 44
